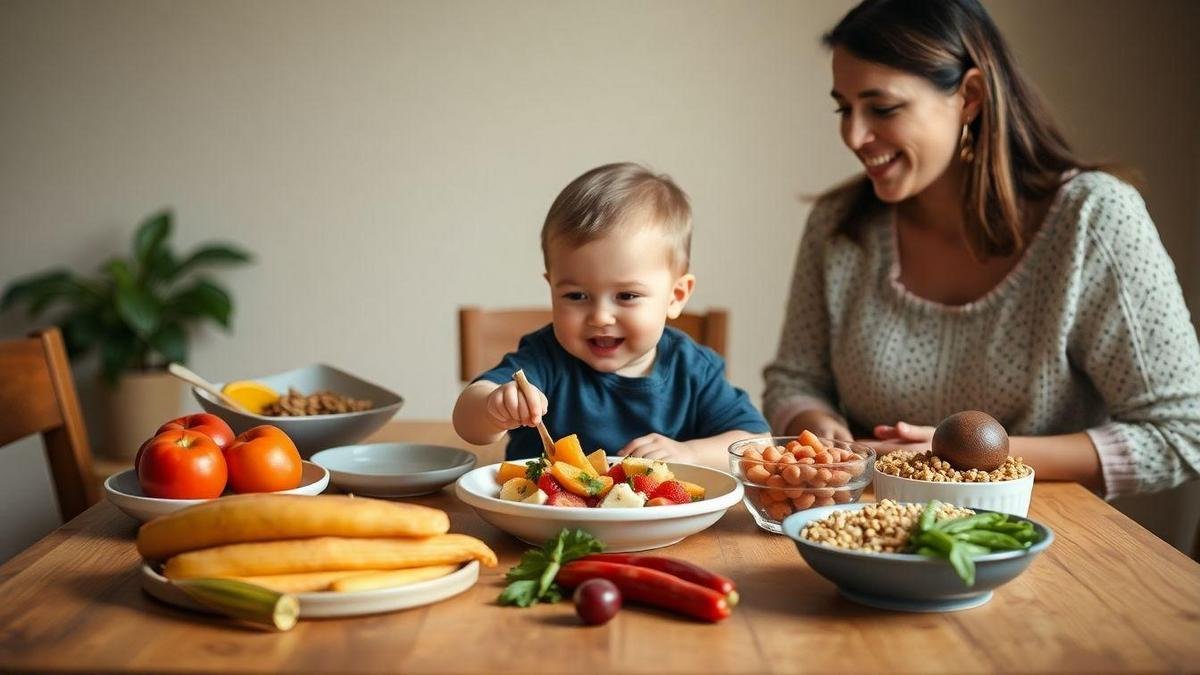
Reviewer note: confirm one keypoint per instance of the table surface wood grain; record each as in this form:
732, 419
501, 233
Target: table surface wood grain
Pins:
1107, 596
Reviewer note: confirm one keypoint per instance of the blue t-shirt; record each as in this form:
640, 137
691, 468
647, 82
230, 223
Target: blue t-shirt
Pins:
684, 397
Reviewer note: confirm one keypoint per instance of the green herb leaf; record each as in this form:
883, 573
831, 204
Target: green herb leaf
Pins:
519, 593
532, 579
534, 469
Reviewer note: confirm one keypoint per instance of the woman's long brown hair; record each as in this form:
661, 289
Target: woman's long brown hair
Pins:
1020, 155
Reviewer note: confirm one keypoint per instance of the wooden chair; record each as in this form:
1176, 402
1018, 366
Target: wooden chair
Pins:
37, 395
486, 335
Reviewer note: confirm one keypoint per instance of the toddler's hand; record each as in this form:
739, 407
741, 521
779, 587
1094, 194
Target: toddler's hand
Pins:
657, 446
508, 408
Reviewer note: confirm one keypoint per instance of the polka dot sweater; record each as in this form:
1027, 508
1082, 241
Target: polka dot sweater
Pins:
1089, 332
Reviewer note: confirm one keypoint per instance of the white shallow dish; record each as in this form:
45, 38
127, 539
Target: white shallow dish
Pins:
314, 432
1008, 496
394, 469
620, 529
124, 491
330, 604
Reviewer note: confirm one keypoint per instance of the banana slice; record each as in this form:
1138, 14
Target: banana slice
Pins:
517, 489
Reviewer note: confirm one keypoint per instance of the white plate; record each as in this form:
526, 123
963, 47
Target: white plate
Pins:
329, 604
620, 529
394, 469
124, 491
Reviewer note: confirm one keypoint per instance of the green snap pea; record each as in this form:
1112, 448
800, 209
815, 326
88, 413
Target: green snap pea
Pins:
929, 515
992, 540
963, 564
965, 523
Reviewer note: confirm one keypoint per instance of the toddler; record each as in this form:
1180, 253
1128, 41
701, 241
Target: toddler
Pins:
616, 244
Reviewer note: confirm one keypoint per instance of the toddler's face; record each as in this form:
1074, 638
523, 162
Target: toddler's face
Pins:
612, 297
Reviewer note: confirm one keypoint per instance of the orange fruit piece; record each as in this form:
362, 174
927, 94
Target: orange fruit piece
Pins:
253, 396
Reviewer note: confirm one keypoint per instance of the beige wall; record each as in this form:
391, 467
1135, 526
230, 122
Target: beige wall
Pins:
388, 162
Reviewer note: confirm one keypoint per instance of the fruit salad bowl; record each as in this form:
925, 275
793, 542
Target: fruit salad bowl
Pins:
312, 433
621, 529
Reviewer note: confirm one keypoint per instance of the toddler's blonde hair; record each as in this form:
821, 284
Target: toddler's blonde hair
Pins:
614, 195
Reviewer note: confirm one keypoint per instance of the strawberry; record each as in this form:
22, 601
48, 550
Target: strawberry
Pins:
617, 473
674, 491
566, 499
660, 501
548, 485
644, 484
591, 502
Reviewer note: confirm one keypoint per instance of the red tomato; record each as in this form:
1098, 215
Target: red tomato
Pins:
263, 459
181, 465
210, 425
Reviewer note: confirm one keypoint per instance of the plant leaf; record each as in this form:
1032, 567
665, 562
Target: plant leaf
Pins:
139, 310
30, 288
150, 235
213, 254
116, 356
202, 299
122, 276
81, 330
170, 341
161, 268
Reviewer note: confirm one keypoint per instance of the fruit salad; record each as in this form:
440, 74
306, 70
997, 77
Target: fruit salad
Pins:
571, 478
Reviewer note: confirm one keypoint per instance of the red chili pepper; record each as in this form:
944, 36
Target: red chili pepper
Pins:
651, 587
674, 566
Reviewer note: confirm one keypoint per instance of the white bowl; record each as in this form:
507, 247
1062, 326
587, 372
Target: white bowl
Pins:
1006, 496
620, 529
124, 491
314, 432
394, 469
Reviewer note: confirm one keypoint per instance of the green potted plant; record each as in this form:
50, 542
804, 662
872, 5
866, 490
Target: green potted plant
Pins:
136, 314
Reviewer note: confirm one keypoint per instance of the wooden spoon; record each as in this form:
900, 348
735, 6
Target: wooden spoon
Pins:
185, 374
530, 398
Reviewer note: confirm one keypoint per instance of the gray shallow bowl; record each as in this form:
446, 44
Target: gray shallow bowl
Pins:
314, 432
908, 582
394, 469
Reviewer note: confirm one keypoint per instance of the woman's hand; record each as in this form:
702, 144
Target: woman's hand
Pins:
508, 408
820, 423
901, 436
657, 446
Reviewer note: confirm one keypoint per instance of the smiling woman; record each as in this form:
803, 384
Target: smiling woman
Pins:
978, 264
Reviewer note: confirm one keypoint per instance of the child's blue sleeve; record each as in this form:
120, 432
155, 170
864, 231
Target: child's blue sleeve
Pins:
723, 407
532, 356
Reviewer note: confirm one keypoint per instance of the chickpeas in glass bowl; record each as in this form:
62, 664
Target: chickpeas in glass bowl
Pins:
785, 474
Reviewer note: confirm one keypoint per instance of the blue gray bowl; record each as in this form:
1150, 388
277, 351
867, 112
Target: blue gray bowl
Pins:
314, 432
908, 582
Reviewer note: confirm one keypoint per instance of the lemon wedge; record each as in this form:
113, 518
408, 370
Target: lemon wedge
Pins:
253, 396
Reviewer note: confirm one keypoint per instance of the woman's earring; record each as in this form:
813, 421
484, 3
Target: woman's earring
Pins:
966, 145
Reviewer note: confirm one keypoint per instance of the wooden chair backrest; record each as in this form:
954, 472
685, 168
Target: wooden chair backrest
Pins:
37, 395
486, 335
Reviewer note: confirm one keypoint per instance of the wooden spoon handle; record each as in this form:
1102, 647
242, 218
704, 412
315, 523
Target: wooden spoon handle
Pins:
185, 374
530, 398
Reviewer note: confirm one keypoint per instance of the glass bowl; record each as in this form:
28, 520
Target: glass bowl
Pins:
782, 475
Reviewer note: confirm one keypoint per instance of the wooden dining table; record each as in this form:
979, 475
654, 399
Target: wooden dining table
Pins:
1108, 596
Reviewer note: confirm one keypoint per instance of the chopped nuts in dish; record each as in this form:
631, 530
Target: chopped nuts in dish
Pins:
928, 466
295, 404
875, 528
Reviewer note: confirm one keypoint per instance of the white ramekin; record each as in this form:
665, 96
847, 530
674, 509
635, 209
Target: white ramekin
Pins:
1007, 496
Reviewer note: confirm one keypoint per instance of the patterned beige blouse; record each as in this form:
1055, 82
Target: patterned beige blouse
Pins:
1089, 332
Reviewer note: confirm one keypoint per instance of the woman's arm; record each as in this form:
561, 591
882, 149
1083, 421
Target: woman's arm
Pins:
1062, 457
799, 380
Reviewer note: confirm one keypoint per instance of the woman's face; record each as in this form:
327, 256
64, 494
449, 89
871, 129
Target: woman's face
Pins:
904, 130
